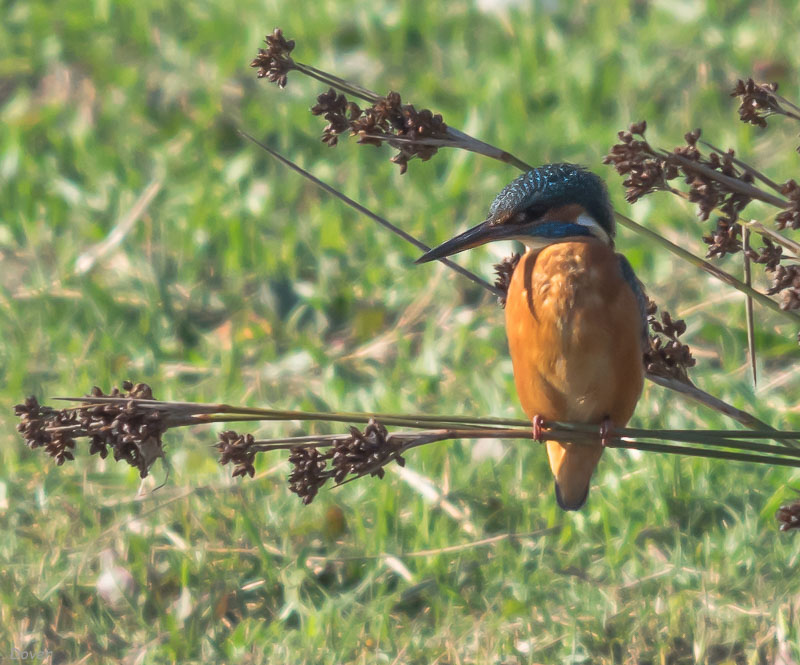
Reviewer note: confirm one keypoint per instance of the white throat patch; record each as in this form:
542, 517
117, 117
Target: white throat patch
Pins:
585, 219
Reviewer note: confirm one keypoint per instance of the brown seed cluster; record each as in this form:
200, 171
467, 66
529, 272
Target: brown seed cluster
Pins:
790, 216
724, 239
786, 281
789, 516
339, 113
769, 254
275, 62
504, 270
359, 454
633, 157
315, 462
709, 194
364, 452
309, 472
132, 433
667, 355
785, 278
387, 119
42, 426
648, 170
237, 448
757, 101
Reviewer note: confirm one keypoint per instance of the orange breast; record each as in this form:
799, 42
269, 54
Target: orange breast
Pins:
574, 332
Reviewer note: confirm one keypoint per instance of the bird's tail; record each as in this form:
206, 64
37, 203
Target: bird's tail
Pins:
572, 465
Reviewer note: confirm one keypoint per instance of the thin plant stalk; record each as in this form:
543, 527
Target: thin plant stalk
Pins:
191, 413
710, 268
748, 307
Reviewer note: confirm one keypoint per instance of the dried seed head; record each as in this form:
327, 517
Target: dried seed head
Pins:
309, 472
786, 281
275, 62
785, 278
347, 457
363, 453
338, 112
236, 448
667, 355
757, 101
504, 270
708, 193
133, 434
789, 516
384, 120
769, 254
649, 170
790, 216
646, 171
724, 239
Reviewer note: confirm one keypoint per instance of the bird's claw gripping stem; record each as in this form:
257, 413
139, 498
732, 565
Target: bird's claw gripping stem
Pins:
606, 431
538, 423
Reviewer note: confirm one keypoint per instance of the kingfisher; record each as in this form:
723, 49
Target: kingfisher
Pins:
576, 317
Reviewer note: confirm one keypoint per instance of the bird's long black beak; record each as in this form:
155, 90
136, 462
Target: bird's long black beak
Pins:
477, 235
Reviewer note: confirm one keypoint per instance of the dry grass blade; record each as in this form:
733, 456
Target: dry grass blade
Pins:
120, 414
748, 307
340, 84
89, 258
275, 62
179, 414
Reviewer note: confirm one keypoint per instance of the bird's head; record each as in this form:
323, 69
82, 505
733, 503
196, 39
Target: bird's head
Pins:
550, 204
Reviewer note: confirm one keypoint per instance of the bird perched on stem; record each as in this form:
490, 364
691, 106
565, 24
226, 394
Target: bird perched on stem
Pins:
575, 312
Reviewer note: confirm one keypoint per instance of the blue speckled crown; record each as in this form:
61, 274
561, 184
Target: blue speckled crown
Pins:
554, 185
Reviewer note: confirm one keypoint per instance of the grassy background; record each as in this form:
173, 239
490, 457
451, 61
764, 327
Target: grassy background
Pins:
243, 283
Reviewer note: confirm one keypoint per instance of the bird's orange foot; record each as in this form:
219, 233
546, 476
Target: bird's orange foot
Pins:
538, 423
606, 431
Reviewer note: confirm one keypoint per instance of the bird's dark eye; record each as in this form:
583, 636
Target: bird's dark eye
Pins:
529, 214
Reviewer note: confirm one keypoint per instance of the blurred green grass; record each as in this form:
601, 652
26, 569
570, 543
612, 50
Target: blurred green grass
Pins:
245, 284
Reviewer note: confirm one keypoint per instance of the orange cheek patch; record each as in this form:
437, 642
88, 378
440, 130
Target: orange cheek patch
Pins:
565, 213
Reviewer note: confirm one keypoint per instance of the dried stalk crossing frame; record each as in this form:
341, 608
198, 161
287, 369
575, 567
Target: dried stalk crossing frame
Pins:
131, 424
